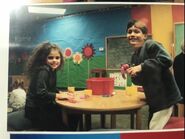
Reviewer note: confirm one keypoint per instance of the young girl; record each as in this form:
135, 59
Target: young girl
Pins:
150, 65
41, 107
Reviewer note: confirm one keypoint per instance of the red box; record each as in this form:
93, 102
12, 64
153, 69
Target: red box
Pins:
101, 86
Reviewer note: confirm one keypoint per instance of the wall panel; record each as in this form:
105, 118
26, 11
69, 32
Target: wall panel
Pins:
162, 25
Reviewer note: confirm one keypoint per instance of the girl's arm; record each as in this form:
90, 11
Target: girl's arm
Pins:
42, 88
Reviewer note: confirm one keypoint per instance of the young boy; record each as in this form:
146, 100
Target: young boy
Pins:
149, 68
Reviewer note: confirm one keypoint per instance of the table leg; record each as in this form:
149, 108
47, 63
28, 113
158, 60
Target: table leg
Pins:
88, 121
65, 117
102, 120
138, 120
113, 121
81, 128
180, 109
132, 119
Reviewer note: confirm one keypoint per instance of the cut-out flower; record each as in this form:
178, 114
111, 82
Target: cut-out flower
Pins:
68, 53
88, 51
77, 58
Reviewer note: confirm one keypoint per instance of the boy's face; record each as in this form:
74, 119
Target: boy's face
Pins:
53, 59
135, 37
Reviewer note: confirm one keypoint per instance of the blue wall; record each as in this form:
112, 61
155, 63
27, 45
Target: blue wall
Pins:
77, 30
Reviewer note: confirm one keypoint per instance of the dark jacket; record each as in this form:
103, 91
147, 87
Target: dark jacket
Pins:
178, 67
160, 88
41, 93
41, 107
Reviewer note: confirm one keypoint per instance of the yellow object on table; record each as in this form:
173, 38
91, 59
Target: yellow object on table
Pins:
71, 89
131, 90
88, 92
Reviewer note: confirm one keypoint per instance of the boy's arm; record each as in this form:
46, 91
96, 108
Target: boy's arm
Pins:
158, 58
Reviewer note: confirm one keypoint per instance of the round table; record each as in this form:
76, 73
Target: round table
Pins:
119, 103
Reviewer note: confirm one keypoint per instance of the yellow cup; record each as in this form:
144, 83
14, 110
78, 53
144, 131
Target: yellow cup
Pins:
88, 92
71, 89
131, 90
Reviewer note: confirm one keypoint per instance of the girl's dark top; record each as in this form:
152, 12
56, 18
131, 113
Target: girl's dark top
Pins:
42, 91
41, 107
159, 85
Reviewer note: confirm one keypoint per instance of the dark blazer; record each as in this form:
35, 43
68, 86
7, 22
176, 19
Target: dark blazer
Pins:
160, 88
41, 93
178, 67
41, 107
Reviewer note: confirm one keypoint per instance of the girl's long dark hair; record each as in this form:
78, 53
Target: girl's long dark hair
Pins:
39, 55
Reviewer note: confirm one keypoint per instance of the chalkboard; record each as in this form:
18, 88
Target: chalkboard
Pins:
118, 52
179, 37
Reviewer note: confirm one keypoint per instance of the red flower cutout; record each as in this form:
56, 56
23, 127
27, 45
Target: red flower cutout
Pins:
68, 53
88, 51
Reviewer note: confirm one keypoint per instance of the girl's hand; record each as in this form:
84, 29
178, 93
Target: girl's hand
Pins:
132, 71
61, 96
65, 96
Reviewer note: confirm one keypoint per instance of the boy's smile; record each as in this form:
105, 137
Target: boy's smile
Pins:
135, 37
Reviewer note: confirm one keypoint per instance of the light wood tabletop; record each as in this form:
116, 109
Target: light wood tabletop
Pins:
120, 102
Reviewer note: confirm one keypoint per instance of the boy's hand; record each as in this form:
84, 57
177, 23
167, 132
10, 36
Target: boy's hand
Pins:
132, 71
123, 69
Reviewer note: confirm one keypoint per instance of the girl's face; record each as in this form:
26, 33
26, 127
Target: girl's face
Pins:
135, 37
53, 59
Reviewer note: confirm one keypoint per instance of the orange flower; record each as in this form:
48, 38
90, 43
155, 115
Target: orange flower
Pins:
77, 58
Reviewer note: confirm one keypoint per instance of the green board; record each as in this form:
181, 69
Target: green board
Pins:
118, 52
179, 37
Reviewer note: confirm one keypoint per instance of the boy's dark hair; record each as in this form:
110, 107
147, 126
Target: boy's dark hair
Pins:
39, 56
138, 24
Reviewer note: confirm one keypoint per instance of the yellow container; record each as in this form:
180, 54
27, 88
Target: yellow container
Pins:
131, 90
71, 89
88, 92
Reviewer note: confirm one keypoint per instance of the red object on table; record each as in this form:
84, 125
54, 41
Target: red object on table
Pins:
101, 86
123, 69
140, 89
